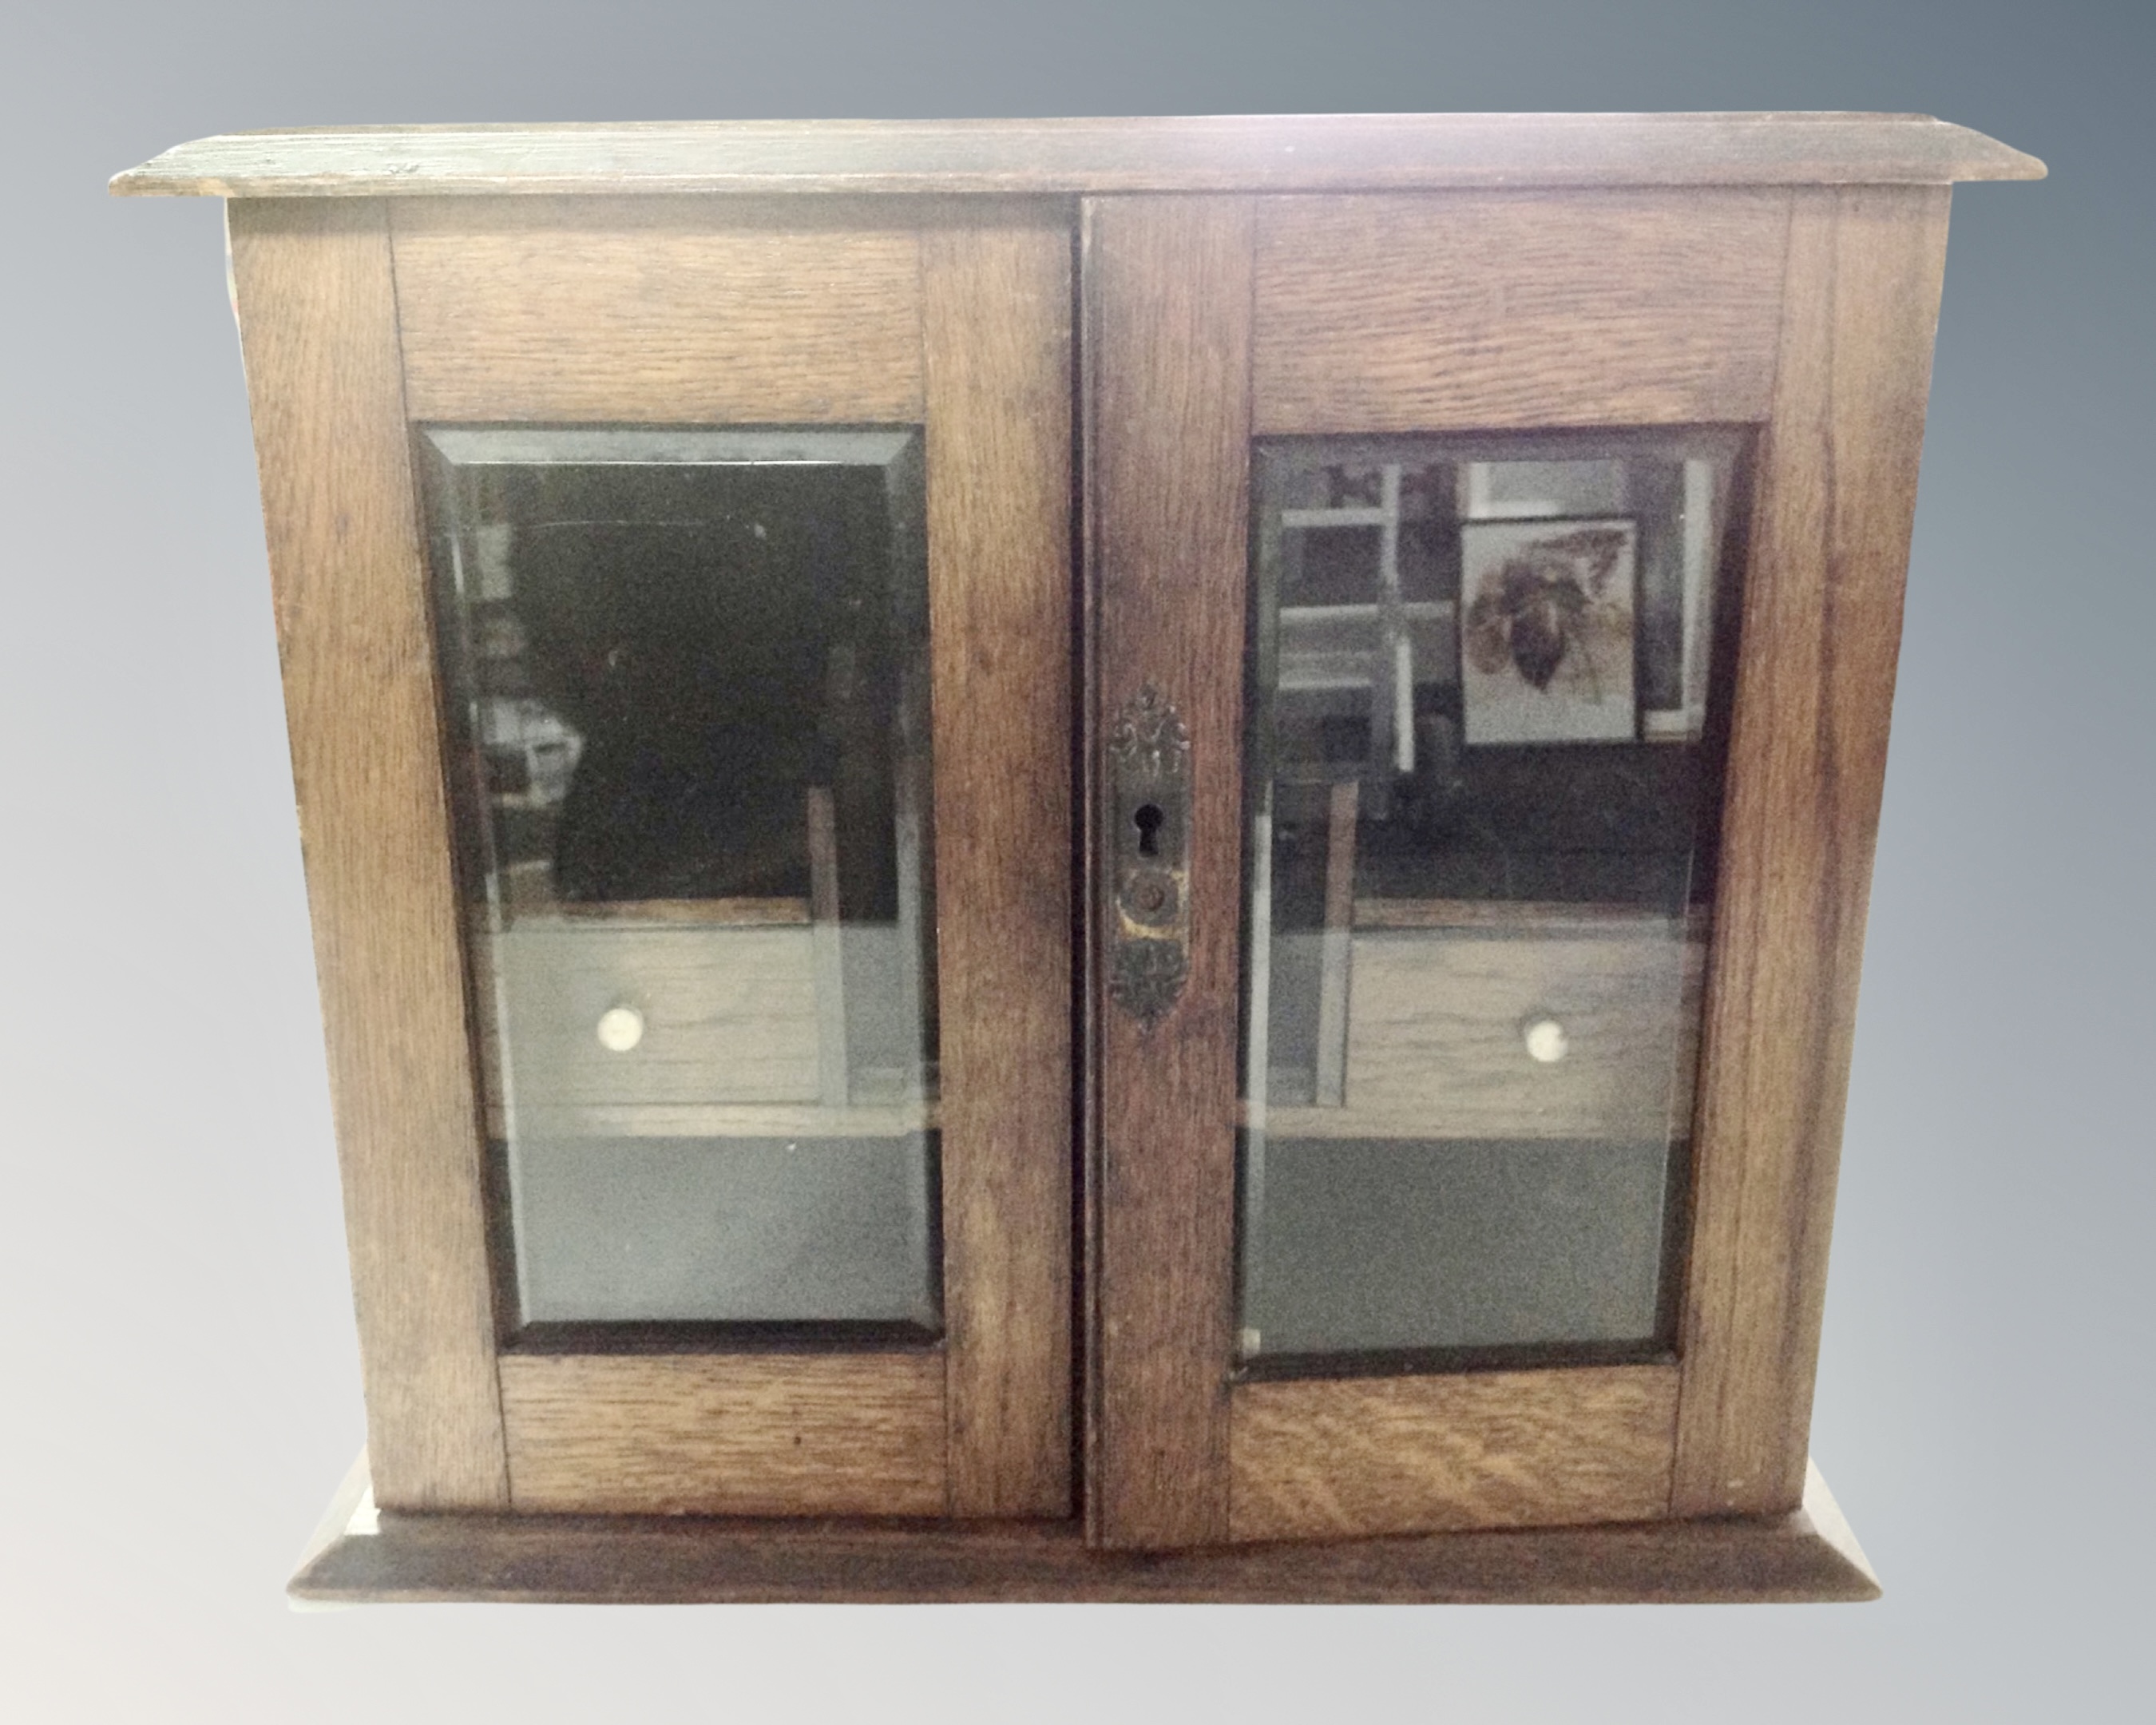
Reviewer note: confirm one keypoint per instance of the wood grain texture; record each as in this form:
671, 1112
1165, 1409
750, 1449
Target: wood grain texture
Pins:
1435, 1044
1216, 152
660, 311
1473, 310
1808, 755
363, 1556
1167, 341
318, 325
758, 1435
1335, 1458
997, 309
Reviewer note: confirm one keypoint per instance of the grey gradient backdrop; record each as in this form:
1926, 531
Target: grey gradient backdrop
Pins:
178, 1388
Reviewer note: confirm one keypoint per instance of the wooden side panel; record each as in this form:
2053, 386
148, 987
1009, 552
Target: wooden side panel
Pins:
996, 335
318, 323
1333, 1459
1167, 345
665, 309
1474, 310
766, 1434
1822, 625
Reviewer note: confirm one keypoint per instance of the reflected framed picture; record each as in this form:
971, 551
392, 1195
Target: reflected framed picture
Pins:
1548, 617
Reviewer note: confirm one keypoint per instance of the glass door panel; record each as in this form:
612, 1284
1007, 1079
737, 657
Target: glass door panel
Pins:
1482, 774
686, 679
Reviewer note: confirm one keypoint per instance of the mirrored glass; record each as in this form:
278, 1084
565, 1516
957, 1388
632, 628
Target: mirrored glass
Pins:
1483, 770
686, 685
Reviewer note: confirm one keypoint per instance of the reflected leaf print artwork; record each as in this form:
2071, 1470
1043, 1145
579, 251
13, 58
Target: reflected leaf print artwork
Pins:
1547, 631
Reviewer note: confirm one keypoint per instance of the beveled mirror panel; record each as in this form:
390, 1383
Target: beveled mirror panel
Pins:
686, 681
1484, 755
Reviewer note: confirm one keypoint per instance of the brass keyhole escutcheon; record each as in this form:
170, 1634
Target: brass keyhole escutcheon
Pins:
1149, 913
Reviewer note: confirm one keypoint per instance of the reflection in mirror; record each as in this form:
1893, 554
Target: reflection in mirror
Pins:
1483, 774
687, 685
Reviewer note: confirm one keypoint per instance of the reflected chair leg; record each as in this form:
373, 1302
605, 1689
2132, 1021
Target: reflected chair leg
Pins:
830, 974
1337, 955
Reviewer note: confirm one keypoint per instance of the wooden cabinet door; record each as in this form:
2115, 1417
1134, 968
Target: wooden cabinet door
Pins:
674, 598
1494, 595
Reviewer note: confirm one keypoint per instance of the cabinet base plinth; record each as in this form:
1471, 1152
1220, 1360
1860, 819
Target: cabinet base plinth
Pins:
361, 1556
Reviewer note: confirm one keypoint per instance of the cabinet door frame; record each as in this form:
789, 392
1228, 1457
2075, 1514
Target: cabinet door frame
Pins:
1211, 321
360, 317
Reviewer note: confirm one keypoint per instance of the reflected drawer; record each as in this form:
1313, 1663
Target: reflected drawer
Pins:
722, 1015
1468, 1035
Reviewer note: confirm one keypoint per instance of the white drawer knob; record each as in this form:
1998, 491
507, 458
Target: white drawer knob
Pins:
621, 1028
1546, 1040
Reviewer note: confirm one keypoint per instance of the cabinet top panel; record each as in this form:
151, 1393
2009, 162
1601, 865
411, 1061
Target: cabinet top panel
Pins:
1285, 153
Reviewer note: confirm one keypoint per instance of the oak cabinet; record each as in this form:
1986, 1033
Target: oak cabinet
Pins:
1095, 859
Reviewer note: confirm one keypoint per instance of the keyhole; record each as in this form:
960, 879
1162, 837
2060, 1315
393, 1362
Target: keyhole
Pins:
1147, 819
